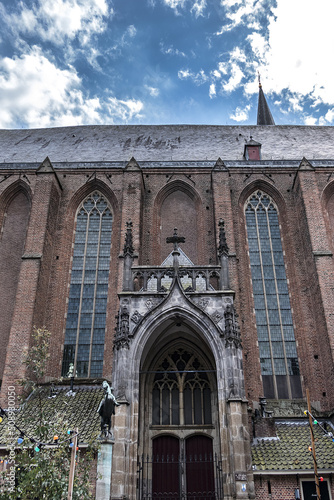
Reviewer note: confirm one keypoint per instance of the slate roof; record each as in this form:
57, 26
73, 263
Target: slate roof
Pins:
78, 410
101, 143
290, 451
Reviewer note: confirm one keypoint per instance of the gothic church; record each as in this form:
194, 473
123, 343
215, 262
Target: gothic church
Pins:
192, 268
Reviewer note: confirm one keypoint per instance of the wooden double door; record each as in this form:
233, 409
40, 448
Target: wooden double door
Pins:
183, 470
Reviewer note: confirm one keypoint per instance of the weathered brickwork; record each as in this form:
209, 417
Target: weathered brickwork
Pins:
153, 209
283, 487
12, 243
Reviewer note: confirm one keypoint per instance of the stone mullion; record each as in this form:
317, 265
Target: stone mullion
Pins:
80, 299
94, 298
278, 307
265, 302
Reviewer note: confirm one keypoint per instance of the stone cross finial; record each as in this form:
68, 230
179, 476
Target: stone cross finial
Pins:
175, 239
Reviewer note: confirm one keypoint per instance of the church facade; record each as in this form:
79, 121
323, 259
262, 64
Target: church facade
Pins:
192, 267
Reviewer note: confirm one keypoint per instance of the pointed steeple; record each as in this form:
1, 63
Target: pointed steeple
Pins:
264, 116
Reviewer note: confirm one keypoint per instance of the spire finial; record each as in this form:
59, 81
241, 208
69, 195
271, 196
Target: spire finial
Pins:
259, 78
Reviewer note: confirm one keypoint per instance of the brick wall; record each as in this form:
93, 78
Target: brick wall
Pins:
11, 249
282, 487
157, 200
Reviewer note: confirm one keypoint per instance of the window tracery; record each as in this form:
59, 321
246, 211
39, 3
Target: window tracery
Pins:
277, 345
181, 392
86, 315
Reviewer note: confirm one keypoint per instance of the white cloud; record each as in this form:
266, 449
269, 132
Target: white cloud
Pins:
184, 73
235, 79
232, 67
130, 32
329, 116
243, 12
215, 73
230, 3
34, 92
124, 110
259, 45
212, 91
171, 51
240, 115
198, 8
310, 120
153, 91
297, 59
295, 103
199, 78
175, 5
223, 67
54, 20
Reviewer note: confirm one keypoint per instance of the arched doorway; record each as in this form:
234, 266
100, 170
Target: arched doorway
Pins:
180, 430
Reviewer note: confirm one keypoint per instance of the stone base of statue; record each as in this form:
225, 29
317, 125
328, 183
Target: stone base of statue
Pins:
104, 463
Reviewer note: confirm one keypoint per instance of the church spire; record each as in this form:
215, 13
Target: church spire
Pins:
264, 116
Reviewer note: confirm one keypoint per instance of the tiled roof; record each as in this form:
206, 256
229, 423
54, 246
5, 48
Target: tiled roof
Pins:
78, 409
290, 451
110, 143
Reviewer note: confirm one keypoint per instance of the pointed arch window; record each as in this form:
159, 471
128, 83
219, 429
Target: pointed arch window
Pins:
181, 391
277, 345
87, 306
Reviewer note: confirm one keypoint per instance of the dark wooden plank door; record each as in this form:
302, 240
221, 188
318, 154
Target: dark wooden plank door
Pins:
165, 468
199, 468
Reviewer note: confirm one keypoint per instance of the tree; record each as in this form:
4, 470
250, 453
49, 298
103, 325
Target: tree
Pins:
42, 463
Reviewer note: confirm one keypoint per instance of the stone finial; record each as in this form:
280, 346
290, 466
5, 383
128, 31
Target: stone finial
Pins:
175, 239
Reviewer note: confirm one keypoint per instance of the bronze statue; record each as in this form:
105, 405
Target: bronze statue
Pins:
106, 409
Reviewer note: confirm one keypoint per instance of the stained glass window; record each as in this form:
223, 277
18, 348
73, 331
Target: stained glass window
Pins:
86, 315
278, 354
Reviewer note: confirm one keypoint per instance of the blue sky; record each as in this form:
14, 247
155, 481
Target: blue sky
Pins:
77, 62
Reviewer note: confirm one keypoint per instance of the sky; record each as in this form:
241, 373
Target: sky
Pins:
85, 62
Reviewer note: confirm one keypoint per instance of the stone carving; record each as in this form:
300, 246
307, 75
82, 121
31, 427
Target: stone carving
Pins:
150, 303
216, 317
202, 303
128, 246
136, 317
128, 255
223, 248
122, 329
106, 409
232, 330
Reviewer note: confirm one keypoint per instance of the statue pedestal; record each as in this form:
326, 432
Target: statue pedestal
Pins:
104, 463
